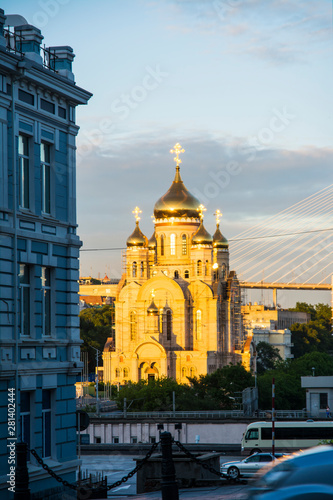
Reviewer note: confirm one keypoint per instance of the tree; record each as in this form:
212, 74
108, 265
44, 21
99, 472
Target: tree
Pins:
267, 357
315, 335
95, 328
289, 394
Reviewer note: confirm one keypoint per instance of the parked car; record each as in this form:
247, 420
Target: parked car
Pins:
306, 475
247, 467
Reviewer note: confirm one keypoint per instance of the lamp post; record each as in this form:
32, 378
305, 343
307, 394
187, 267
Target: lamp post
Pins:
97, 402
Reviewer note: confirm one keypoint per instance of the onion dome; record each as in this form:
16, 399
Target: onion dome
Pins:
177, 201
152, 309
152, 243
137, 238
219, 241
201, 236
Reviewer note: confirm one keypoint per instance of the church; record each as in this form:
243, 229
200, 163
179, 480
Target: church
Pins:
178, 306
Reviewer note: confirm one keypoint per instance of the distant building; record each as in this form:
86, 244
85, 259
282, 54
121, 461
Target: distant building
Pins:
260, 316
319, 395
178, 304
39, 248
281, 339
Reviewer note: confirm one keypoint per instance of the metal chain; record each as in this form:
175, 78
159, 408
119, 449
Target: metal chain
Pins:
114, 485
137, 468
196, 460
50, 471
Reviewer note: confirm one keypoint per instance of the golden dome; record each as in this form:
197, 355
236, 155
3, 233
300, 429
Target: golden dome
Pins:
201, 236
152, 243
152, 309
177, 201
137, 238
219, 241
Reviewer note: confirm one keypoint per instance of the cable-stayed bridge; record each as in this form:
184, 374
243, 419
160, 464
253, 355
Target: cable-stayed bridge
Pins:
290, 250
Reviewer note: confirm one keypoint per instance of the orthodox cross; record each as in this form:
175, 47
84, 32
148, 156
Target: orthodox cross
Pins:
136, 213
201, 209
218, 215
177, 150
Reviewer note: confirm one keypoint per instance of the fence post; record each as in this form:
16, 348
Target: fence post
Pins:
169, 485
22, 490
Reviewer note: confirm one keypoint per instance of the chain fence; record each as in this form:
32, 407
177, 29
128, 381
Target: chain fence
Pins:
83, 489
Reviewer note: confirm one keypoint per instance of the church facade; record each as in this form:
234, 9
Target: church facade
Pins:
178, 306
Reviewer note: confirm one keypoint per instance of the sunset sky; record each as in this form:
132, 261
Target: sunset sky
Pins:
244, 85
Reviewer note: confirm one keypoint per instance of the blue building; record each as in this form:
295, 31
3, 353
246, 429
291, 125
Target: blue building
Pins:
39, 248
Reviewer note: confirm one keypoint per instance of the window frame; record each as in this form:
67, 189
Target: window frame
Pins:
47, 425
46, 292
24, 174
46, 182
25, 314
172, 244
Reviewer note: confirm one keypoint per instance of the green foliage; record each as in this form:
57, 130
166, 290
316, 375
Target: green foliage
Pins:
267, 357
95, 328
289, 395
317, 334
208, 392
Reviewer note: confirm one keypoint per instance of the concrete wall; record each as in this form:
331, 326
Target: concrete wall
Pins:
146, 432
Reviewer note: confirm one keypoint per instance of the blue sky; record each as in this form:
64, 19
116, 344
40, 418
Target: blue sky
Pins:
242, 81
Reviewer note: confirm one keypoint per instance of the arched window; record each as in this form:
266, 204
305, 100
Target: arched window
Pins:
173, 244
134, 270
186, 274
223, 271
133, 325
184, 244
192, 373
141, 270
160, 321
198, 324
117, 372
184, 372
125, 372
168, 324
206, 268
176, 274
162, 244
199, 267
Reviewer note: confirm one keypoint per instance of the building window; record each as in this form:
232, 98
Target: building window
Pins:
176, 275
199, 267
168, 324
62, 112
47, 106
24, 300
206, 268
46, 423
141, 270
133, 325
72, 114
134, 270
160, 321
26, 97
192, 372
125, 372
24, 167
25, 417
115, 439
117, 373
97, 439
45, 159
187, 274
184, 244
134, 439
223, 271
46, 300
198, 324
183, 372
173, 244
162, 244
152, 439
216, 276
